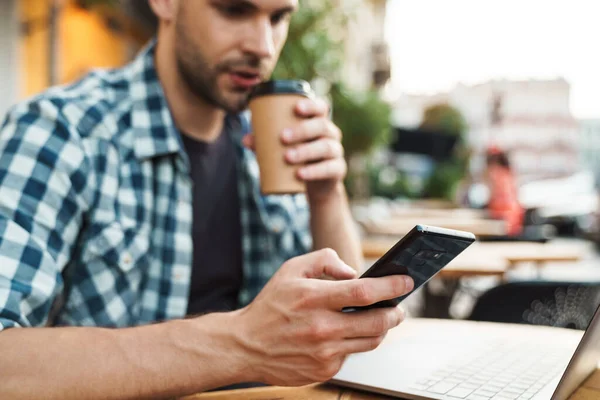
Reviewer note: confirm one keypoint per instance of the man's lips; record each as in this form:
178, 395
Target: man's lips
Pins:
244, 79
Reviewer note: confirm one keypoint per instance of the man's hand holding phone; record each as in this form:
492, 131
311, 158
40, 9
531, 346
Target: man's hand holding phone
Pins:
294, 332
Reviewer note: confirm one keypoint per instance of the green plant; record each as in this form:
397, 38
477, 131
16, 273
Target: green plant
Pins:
363, 118
444, 118
446, 175
443, 181
314, 46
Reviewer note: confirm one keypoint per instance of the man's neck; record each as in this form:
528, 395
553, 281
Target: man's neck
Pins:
192, 115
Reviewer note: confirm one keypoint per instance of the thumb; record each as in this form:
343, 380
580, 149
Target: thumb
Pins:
324, 262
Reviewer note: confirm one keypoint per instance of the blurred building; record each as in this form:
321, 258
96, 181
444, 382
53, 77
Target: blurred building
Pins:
9, 59
589, 144
50, 42
367, 61
531, 119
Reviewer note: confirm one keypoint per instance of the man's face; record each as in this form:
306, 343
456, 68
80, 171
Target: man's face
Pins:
225, 47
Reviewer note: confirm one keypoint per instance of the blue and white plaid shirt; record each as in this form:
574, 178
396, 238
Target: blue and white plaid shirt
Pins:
96, 207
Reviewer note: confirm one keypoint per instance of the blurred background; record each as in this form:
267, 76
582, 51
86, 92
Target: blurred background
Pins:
422, 90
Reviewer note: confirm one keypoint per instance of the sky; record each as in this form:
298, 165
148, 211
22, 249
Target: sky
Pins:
435, 44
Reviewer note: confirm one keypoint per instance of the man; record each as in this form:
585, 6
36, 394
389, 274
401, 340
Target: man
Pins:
107, 189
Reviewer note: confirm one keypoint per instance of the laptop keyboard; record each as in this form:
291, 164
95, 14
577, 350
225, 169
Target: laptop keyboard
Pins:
502, 373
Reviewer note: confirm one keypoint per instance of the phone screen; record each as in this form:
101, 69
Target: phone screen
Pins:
420, 255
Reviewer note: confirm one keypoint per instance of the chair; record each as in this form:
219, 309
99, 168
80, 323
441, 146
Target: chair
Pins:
559, 304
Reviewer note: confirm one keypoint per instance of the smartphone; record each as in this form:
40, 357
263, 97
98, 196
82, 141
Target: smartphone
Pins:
420, 254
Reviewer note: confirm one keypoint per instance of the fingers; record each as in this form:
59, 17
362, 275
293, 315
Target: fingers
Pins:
330, 169
311, 129
319, 263
360, 345
330, 357
367, 291
308, 108
364, 324
372, 323
315, 151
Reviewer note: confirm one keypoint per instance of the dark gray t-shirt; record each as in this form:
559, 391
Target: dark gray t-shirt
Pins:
217, 266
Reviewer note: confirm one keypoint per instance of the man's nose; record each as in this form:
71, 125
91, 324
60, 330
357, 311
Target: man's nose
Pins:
259, 40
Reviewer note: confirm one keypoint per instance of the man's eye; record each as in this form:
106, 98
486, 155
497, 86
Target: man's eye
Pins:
279, 17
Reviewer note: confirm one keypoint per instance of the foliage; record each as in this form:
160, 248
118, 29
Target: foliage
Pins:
446, 176
363, 118
444, 118
443, 181
313, 50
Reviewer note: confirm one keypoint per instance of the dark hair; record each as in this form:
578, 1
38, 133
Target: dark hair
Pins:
498, 158
140, 10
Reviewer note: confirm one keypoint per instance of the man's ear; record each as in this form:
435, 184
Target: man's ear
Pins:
165, 10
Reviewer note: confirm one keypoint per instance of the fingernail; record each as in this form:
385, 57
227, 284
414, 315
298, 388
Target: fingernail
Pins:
304, 174
408, 283
402, 314
286, 134
303, 106
292, 155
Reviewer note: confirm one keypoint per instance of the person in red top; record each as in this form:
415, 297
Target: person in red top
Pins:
504, 203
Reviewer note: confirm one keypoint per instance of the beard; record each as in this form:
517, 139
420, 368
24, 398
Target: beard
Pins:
202, 78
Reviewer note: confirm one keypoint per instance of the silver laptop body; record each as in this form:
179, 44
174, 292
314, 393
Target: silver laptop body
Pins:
452, 360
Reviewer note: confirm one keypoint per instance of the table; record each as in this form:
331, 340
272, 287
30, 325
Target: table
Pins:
589, 390
538, 253
459, 213
396, 226
489, 258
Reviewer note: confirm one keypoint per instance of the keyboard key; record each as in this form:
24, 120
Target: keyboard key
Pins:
518, 392
519, 385
469, 385
477, 380
441, 388
460, 375
459, 393
477, 397
531, 392
493, 387
417, 386
507, 396
525, 382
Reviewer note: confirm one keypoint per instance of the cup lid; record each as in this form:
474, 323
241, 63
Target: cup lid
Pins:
282, 86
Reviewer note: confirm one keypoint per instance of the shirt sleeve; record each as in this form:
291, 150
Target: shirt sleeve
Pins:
43, 183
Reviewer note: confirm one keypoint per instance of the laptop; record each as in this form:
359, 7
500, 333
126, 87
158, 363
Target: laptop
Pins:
451, 360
